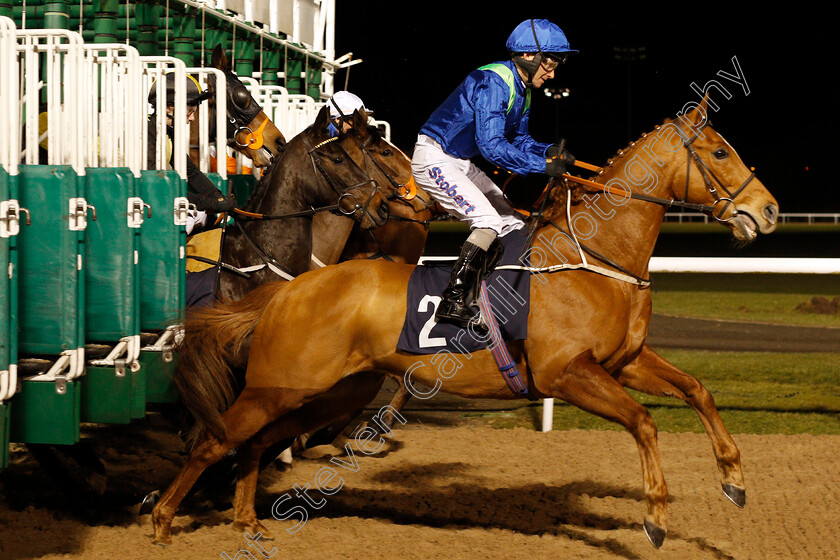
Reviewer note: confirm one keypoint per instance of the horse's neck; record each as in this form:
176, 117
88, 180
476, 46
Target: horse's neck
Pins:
279, 191
286, 240
621, 229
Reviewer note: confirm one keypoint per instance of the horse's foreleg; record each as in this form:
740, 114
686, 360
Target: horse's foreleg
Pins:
587, 385
251, 411
652, 374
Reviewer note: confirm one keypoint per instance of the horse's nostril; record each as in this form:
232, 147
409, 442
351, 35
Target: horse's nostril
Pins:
771, 213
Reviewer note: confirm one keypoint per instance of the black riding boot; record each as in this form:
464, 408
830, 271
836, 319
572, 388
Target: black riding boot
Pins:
472, 266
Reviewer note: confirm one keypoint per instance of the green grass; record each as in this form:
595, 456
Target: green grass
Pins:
755, 392
759, 297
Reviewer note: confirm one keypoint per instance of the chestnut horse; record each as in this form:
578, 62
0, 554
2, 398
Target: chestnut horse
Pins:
315, 344
401, 239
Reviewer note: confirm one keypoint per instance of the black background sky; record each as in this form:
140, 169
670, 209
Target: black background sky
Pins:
414, 55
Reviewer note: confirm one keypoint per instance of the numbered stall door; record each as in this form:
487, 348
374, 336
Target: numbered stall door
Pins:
162, 277
112, 310
50, 254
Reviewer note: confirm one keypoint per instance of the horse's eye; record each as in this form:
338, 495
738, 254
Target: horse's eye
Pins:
338, 160
720, 153
387, 152
240, 97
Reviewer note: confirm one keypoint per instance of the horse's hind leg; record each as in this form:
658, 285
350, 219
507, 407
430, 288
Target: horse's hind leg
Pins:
652, 374
587, 385
401, 397
244, 514
252, 410
349, 394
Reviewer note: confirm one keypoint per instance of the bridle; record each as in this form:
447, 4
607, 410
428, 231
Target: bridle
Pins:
405, 191
340, 188
315, 154
241, 115
709, 179
709, 176
402, 192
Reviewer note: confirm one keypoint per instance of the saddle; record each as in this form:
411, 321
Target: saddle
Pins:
204, 245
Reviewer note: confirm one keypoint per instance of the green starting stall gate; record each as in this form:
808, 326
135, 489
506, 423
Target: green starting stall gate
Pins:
9, 226
92, 231
93, 227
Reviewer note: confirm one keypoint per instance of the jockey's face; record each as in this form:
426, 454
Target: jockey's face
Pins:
191, 110
342, 125
544, 73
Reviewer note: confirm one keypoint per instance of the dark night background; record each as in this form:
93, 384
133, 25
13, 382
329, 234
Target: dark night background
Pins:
414, 55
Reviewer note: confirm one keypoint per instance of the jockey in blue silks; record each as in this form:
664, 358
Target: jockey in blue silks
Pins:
487, 114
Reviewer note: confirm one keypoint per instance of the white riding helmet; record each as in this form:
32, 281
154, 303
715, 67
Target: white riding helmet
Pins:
343, 103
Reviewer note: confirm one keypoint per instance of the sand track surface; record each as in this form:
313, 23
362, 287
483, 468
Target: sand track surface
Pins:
438, 491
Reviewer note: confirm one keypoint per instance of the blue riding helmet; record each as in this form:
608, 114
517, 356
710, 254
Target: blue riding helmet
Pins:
543, 36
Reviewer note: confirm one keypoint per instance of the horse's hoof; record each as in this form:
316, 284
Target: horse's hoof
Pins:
737, 495
255, 528
655, 533
148, 503
162, 541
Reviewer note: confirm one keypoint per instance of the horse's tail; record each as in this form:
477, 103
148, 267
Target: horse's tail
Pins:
215, 339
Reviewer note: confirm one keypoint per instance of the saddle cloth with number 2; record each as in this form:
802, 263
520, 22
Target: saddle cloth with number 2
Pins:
508, 292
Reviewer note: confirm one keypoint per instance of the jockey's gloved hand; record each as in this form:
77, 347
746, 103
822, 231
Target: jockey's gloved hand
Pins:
555, 167
559, 152
218, 205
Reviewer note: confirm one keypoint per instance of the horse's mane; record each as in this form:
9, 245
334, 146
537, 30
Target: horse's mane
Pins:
557, 203
261, 186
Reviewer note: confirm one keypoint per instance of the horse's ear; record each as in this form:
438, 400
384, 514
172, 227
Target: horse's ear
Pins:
322, 121
219, 59
700, 114
360, 121
704, 104
697, 117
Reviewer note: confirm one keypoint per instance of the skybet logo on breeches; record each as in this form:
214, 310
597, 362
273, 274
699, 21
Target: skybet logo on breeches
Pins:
436, 175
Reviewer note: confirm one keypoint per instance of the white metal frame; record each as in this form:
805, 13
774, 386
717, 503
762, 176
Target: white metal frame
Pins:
113, 102
154, 68
9, 143
63, 53
219, 143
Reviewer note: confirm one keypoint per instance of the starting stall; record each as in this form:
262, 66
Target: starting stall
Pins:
92, 226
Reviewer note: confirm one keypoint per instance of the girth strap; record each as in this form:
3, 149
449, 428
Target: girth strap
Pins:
507, 366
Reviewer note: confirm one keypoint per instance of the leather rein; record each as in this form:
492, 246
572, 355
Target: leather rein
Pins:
319, 168
709, 178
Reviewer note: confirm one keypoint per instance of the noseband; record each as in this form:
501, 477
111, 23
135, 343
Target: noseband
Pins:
708, 178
